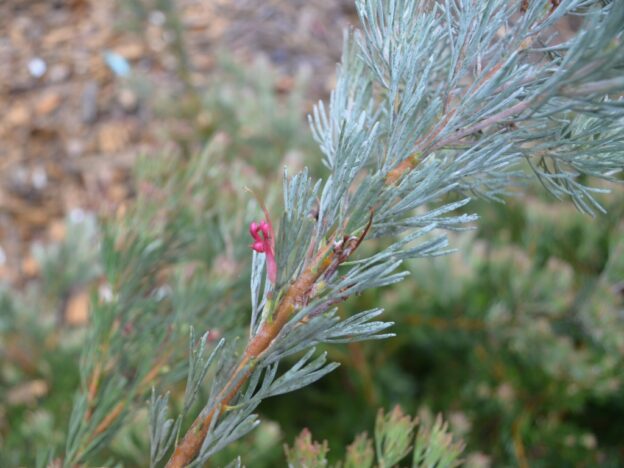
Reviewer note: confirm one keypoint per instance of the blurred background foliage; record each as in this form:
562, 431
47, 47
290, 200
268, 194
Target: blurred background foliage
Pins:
517, 339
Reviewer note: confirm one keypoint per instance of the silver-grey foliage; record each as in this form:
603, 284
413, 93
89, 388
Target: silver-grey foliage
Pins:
435, 102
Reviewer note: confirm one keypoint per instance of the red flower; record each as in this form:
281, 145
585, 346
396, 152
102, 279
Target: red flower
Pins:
263, 242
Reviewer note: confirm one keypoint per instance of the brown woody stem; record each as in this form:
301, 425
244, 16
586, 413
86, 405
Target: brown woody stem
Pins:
190, 445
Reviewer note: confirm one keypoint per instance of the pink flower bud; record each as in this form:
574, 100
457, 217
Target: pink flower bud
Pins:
265, 243
262, 234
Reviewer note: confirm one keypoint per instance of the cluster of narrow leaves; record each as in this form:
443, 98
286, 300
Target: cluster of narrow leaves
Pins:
433, 100
174, 262
171, 264
395, 438
517, 339
158, 276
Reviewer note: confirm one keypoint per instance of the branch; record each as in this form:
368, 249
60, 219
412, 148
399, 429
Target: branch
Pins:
188, 449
